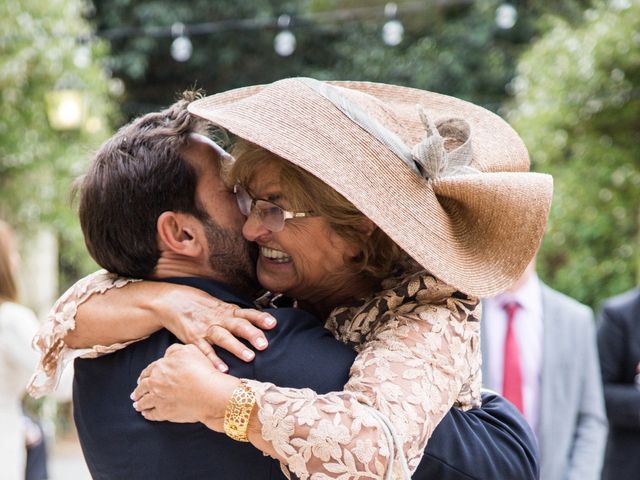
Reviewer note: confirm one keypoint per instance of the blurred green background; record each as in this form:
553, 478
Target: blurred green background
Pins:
566, 74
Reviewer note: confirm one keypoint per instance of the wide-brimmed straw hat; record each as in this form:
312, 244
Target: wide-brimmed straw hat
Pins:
471, 214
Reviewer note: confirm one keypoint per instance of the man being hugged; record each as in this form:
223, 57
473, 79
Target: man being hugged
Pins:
154, 205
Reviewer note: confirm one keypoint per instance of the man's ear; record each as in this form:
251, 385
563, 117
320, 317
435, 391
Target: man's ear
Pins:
180, 233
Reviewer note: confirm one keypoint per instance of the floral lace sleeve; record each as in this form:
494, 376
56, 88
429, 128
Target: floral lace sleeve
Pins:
418, 355
54, 354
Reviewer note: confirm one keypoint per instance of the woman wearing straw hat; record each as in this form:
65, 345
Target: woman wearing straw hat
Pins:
393, 209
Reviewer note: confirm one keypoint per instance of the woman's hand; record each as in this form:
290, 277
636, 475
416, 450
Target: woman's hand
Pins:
197, 318
184, 387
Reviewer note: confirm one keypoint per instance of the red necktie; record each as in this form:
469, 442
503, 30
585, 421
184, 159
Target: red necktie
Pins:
512, 377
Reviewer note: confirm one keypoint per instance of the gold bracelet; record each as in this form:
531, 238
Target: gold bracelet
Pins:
238, 411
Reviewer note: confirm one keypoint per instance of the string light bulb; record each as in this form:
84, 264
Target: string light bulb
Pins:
82, 56
181, 47
284, 43
392, 30
506, 16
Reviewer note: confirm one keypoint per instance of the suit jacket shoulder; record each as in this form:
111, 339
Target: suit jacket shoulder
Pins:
625, 303
572, 310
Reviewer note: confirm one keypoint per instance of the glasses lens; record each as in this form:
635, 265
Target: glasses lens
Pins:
244, 200
271, 215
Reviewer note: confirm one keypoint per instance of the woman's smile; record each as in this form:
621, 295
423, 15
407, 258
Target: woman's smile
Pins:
273, 255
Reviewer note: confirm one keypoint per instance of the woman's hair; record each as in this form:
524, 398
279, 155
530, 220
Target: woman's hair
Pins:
379, 255
8, 289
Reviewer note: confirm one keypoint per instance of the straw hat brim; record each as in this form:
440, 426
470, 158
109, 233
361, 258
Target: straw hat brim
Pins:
476, 232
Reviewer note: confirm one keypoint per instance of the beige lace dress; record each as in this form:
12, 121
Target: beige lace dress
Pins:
418, 345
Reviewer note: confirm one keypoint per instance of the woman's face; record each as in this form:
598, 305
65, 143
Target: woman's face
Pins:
307, 259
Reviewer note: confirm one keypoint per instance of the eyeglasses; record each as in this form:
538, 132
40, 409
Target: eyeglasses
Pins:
271, 215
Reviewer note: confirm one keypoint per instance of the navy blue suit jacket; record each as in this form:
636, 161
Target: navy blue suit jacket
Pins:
619, 348
118, 443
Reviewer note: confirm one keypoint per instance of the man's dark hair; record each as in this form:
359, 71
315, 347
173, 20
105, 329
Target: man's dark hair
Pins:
135, 176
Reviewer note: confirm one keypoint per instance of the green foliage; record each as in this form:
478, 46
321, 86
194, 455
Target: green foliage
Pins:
580, 118
455, 49
40, 51
458, 51
230, 58
461, 53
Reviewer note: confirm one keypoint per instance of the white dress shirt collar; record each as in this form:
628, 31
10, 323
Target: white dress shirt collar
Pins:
529, 332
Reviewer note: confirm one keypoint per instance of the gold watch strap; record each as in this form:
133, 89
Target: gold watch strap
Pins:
238, 411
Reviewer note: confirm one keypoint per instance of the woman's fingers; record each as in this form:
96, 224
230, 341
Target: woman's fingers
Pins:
205, 347
226, 335
141, 389
243, 328
177, 387
244, 323
147, 371
249, 323
199, 321
153, 415
224, 338
146, 402
211, 321
173, 349
256, 317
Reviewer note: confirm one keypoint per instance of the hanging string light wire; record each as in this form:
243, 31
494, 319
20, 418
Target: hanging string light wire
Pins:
258, 23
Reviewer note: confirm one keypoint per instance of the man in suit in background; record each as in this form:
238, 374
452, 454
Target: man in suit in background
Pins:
182, 219
619, 347
539, 351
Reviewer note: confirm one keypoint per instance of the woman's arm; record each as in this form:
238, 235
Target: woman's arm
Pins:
140, 309
115, 316
411, 369
82, 323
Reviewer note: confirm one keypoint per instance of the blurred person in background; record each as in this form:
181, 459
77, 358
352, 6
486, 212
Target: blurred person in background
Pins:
619, 347
539, 350
37, 464
18, 325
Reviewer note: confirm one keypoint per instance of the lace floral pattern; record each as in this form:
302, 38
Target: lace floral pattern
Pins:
54, 354
418, 344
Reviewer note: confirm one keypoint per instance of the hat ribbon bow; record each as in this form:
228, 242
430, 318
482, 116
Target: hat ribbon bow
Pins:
429, 158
